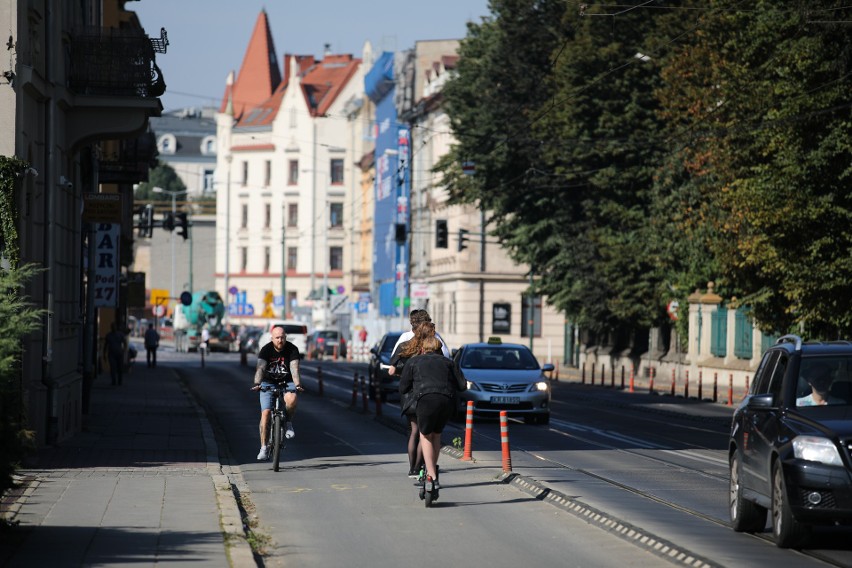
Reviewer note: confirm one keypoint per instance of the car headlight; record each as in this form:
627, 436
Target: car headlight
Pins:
472, 386
539, 386
816, 449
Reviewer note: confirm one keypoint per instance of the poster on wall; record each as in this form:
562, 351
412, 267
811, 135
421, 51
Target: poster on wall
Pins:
501, 318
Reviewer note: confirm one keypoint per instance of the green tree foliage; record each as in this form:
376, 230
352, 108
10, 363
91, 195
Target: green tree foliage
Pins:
17, 319
762, 101
163, 176
723, 154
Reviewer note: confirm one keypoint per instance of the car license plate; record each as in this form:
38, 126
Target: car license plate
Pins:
506, 399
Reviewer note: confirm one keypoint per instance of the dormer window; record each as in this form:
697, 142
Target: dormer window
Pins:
167, 144
208, 145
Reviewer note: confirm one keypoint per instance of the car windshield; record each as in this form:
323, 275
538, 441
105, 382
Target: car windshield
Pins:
291, 329
327, 334
504, 358
389, 342
824, 381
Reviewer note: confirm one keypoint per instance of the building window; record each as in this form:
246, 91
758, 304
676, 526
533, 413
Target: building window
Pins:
292, 257
335, 217
293, 175
267, 173
267, 216
525, 315
335, 258
243, 258
267, 257
293, 115
336, 171
208, 181
245, 174
292, 214
244, 220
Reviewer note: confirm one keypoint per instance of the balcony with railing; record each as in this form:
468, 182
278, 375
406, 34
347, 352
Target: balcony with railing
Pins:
115, 62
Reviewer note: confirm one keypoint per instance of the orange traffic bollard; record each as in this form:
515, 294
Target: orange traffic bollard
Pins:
632, 375
731, 389
468, 433
504, 441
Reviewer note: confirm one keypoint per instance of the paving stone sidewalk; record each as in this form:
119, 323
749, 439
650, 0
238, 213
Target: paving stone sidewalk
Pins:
139, 485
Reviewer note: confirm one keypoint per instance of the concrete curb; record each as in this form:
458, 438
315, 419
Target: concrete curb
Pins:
240, 553
632, 534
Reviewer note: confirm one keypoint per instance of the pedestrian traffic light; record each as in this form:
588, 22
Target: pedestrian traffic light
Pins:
169, 222
400, 233
463, 239
182, 224
442, 234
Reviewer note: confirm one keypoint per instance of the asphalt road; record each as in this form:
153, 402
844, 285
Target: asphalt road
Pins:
656, 463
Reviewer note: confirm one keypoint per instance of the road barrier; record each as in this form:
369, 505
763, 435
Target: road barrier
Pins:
632, 376
504, 441
651, 384
622, 377
715, 387
700, 380
686, 386
674, 380
378, 394
468, 432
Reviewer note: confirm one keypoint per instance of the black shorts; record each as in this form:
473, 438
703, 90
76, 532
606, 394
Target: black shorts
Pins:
433, 412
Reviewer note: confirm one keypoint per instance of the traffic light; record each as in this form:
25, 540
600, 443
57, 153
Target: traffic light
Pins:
182, 224
442, 234
400, 233
463, 238
169, 222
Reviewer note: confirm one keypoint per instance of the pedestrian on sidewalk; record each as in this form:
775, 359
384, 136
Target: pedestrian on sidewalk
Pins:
152, 342
115, 345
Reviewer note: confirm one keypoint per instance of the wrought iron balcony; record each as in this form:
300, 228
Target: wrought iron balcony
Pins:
115, 62
131, 162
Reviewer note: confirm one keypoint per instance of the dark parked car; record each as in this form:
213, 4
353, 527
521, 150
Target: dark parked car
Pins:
250, 339
790, 442
380, 355
504, 376
325, 343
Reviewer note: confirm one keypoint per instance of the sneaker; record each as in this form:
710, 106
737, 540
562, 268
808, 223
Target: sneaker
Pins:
263, 454
414, 473
289, 432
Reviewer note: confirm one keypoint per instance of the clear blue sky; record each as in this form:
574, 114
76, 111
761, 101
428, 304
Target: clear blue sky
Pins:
208, 38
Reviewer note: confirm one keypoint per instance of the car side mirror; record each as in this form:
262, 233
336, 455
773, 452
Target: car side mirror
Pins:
374, 351
547, 367
761, 401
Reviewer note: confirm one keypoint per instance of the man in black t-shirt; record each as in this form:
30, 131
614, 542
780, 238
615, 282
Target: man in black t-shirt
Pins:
277, 364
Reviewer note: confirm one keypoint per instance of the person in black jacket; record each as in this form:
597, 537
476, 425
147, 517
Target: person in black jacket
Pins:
434, 381
403, 352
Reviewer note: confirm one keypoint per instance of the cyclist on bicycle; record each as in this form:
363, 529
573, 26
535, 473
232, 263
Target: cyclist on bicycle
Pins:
277, 364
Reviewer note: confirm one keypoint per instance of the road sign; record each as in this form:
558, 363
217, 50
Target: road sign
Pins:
159, 310
338, 305
671, 309
159, 296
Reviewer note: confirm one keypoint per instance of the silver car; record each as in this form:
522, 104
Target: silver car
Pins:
505, 376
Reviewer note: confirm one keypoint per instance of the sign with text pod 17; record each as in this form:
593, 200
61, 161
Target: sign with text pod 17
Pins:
107, 237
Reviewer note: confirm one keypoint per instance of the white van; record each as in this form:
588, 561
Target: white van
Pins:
297, 334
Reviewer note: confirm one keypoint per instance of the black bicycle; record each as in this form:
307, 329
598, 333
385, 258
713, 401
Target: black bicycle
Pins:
279, 419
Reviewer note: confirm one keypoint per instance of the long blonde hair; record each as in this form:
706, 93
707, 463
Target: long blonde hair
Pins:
417, 344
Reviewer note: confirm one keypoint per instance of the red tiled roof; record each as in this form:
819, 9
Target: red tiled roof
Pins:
259, 73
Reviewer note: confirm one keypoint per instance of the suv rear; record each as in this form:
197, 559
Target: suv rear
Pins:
297, 334
790, 442
377, 368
